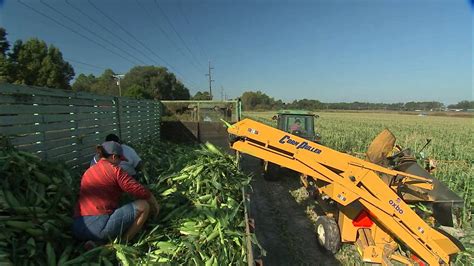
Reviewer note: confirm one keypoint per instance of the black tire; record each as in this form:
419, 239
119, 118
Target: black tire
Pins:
327, 232
271, 171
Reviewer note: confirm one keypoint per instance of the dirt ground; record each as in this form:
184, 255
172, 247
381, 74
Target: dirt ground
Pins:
281, 225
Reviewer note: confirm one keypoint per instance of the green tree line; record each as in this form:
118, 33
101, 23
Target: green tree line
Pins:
36, 63
462, 105
140, 82
260, 101
33, 63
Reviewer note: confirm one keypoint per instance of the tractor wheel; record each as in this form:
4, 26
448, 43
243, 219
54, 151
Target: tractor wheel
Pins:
270, 171
328, 234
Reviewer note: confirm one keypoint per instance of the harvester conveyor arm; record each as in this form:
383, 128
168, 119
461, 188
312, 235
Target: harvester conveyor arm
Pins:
414, 180
347, 179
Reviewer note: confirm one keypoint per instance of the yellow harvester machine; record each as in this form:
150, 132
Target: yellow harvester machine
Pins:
366, 202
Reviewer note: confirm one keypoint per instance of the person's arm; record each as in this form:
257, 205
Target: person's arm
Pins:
137, 161
131, 186
128, 184
155, 207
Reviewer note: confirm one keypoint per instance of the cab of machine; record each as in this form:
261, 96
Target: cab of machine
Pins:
298, 122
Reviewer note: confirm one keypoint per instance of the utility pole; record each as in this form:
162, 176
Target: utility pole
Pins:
209, 74
222, 93
119, 77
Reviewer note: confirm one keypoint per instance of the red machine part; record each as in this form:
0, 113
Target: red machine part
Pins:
417, 260
363, 220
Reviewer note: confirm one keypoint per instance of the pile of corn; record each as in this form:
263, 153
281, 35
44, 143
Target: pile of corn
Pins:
36, 200
200, 222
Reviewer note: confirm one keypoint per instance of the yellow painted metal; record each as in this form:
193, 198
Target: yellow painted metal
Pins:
402, 259
347, 229
366, 246
347, 179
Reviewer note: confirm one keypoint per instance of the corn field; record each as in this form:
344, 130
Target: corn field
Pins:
452, 147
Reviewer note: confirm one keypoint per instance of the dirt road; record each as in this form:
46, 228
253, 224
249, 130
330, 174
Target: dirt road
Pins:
281, 225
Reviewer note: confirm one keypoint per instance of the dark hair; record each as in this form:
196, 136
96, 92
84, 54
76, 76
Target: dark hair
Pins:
112, 137
101, 152
297, 121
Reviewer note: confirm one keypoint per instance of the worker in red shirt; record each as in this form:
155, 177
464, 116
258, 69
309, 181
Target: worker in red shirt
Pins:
97, 216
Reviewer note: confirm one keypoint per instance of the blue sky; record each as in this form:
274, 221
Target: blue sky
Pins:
372, 50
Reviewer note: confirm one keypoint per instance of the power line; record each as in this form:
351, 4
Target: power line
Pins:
83, 69
90, 66
168, 37
111, 32
106, 29
86, 64
133, 37
91, 32
177, 33
92, 40
201, 50
72, 30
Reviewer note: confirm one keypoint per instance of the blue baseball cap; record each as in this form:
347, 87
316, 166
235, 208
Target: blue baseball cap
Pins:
112, 147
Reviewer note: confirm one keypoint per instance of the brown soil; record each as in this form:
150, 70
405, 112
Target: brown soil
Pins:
282, 227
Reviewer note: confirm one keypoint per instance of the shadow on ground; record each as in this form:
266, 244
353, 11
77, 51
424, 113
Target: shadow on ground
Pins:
282, 227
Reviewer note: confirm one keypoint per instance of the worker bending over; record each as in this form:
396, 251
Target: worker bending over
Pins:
97, 216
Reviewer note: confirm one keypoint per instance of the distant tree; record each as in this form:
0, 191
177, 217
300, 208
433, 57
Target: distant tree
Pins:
4, 64
27, 61
425, 106
15, 51
33, 63
462, 105
395, 106
156, 82
306, 104
178, 91
137, 92
279, 104
202, 96
140, 82
434, 106
55, 72
4, 69
84, 83
4, 45
10, 68
258, 101
106, 84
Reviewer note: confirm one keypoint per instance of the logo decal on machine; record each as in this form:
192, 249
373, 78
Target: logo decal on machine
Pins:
396, 206
299, 145
253, 131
